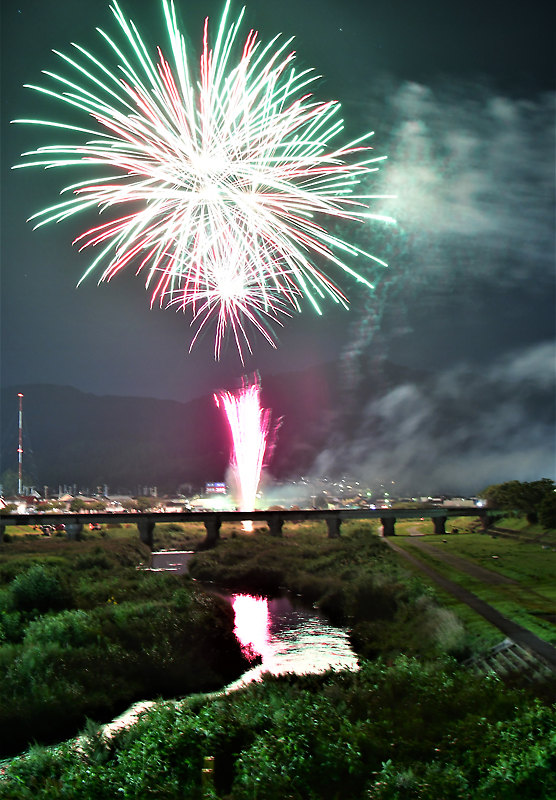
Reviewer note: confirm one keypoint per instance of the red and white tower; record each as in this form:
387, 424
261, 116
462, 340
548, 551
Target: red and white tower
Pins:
20, 447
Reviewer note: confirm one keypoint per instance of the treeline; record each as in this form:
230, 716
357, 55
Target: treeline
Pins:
537, 499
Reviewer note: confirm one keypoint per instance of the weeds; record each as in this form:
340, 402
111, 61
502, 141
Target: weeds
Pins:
84, 634
408, 730
354, 580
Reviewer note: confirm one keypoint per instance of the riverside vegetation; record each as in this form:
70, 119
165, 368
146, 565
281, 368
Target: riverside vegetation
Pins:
83, 633
412, 723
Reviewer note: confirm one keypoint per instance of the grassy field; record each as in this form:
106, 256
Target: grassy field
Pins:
521, 560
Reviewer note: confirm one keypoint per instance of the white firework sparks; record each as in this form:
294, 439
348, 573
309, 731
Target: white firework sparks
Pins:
222, 176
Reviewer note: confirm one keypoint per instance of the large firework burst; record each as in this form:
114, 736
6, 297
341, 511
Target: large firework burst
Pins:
221, 175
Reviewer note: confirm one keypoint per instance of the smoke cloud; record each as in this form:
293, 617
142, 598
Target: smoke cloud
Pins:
455, 431
474, 179
473, 176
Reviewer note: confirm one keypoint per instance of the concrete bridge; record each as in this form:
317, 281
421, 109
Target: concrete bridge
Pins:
213, 520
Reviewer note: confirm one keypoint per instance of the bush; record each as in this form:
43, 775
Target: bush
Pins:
38, 590
97, 559
409, 731
12, 626
70, 664
67, 629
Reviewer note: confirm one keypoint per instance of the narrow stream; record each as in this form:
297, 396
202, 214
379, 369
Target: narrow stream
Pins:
288, 637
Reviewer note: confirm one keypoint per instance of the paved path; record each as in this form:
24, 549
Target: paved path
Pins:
481, 573
516, 632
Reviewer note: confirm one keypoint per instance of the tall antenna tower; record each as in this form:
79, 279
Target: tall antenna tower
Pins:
20, 448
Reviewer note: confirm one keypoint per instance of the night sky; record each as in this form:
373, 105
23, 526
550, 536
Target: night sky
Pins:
461, 96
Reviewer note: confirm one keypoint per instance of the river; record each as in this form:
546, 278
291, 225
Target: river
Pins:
288, 636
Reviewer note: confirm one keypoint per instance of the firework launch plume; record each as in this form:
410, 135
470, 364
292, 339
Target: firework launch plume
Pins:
217, 183
250, 428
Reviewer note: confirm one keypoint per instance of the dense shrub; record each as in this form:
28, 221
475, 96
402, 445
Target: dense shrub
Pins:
130, 635
38, 589
547, 511
96, 559
411, 730
76, 664
68, 629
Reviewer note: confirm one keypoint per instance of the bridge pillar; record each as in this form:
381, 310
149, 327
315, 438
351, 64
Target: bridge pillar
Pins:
333, 524
212, 527
388, 526
275, 525
439, 524
73, 530
146, 528
486, 521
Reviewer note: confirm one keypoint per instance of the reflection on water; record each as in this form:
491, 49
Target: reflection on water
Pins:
289, 639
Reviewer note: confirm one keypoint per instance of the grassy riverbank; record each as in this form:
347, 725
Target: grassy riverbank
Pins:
528, 597
411, 724
84, 633
356, 580
407, 731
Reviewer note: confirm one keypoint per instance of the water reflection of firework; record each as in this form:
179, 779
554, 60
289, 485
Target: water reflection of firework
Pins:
250, 428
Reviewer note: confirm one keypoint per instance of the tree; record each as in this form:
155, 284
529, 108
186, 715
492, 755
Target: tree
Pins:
517, 496
77, 505
144, 503
547, 511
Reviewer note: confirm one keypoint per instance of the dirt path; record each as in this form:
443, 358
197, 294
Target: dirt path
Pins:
480, 573
516, 632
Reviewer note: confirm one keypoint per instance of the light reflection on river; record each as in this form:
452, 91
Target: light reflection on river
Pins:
289, 639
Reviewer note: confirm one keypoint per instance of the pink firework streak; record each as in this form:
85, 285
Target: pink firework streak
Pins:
250, 426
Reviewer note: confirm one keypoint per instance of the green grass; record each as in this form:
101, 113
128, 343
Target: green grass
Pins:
481, 635
527, 563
